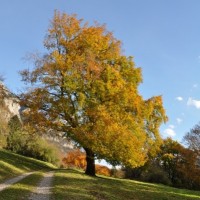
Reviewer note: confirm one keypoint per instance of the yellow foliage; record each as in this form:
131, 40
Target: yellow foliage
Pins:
86, 88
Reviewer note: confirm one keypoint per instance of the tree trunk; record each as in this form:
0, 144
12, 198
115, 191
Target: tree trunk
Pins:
90, 168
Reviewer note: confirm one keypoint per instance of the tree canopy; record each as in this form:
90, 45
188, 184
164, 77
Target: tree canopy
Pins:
174, 165
85, 87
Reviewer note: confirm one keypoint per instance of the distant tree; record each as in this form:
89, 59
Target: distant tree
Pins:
14, 124
192, 139
169, 157
180, 163
173, 165
16, 140
85, 87
188, 170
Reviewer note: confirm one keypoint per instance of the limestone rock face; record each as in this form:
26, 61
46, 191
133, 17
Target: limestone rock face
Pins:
13, 106
11, 102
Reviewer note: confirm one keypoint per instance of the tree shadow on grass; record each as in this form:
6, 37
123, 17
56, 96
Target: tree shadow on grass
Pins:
71, 184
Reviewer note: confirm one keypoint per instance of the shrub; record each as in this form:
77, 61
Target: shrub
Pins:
102, 170
117, 173
150, 172
43, 150
30, 145
3, 141
24, 142
75, 158
156, 176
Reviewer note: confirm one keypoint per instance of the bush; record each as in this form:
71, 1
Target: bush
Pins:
24, 142
17, 142
43, 150
157, 176
75, 159
30, 145
102, 170
117, 173
151, 172
3, 141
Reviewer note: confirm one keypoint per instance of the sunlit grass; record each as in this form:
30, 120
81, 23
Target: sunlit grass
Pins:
70, 184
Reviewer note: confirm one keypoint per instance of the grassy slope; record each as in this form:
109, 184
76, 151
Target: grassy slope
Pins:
13, 164
71, 184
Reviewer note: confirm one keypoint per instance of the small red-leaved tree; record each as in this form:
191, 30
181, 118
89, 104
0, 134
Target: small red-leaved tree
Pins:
75, 158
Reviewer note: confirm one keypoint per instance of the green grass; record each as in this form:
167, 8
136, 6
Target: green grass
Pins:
74, 185
13, 164
22, 189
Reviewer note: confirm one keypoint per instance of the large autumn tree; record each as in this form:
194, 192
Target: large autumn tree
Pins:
85, 87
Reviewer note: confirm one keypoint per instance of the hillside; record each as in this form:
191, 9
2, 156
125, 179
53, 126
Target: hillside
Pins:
73, 184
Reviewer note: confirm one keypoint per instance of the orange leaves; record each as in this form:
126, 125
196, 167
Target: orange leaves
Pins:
103, 170
75, 158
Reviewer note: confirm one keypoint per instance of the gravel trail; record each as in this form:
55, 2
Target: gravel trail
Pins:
42, 191
13, 180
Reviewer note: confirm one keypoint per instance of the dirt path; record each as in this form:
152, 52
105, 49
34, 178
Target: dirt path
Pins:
42, 191
13, 180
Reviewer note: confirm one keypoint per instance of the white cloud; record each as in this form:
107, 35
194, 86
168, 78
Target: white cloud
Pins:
170, 132
179, 120
171, 126
193, 102
195, 85
179, 98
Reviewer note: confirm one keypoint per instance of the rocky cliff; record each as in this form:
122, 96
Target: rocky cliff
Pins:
10, 101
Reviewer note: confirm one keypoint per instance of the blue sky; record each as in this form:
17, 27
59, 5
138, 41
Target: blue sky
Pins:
163, 36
